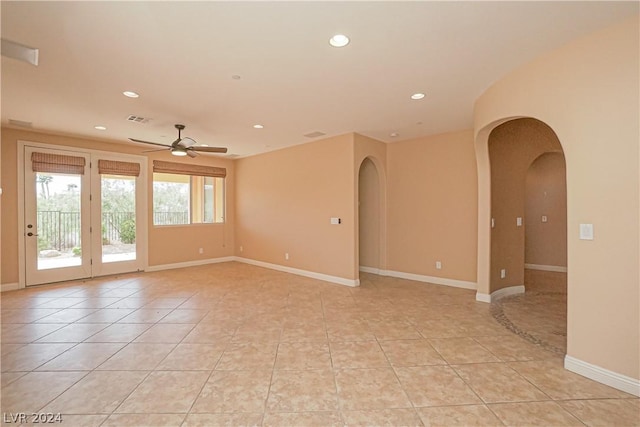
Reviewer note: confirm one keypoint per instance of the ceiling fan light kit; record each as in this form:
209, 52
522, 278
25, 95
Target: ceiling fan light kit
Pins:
182, 146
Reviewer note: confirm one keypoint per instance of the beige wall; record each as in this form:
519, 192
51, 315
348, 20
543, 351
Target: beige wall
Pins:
167, 245
369, 215
284, 202
9, 215
432, 206
588, 93
513, 146
546, 194
1, 197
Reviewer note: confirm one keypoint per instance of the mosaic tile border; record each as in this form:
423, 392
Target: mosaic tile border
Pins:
497, 311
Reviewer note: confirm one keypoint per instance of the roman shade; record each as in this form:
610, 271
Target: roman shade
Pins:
161, 166
114, 167
57, 163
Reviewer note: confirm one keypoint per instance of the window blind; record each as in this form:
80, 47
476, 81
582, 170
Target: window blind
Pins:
57, 163
161, 166
114, 167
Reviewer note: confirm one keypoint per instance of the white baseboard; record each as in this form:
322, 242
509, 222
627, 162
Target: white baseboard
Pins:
556, 268
299, 272
371, 270
505, 292
189, 263
483, 297
430, 279
500, 293
9, 287
604, 376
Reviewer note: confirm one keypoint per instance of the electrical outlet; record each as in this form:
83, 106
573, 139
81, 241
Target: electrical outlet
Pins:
544, 218
519, 221
286, 256
503, 273
438, 265
201, 250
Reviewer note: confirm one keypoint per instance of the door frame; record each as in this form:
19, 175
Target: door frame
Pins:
33, 273
141, 223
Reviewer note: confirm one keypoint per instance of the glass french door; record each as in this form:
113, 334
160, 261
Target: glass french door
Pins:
80, 220
57, 216
117, 215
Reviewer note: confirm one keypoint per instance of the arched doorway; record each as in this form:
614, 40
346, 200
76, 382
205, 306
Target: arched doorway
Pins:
546, 214
369, 218
528, 235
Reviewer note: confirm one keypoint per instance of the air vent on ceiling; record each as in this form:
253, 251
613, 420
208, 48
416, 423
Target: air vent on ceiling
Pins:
314, 134
20, 52
137, 119
21, 123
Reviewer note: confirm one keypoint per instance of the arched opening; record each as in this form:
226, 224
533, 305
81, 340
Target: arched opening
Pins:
546, 214
528, 230
369, 218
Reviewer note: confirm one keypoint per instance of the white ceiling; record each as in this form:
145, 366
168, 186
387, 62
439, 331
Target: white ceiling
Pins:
181, 56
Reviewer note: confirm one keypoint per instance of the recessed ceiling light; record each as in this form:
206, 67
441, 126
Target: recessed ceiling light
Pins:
417, 95
393, 134
130, 94
339, 40
99, 127
258, 127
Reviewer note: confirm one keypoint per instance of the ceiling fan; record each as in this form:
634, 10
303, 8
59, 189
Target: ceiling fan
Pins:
182, 146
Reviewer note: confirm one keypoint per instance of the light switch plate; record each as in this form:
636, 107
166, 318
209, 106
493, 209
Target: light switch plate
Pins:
586, 231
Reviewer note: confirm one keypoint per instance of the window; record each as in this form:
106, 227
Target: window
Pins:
192, 197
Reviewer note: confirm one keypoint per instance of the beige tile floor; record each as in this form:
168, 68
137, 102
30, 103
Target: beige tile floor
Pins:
232, 344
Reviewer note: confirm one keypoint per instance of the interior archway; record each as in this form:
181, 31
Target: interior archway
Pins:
528, 230
369, 218
513, 147
546, 214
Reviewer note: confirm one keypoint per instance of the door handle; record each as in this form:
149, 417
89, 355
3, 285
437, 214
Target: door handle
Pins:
31, 234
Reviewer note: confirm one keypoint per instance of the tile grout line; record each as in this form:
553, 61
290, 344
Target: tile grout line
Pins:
333, 368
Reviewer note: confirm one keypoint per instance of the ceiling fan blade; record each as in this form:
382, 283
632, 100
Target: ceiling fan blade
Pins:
148, 142
209, 149
159, 149
191, 153
186, 142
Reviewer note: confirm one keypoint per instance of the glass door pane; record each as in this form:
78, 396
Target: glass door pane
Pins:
59, 231
118, 226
